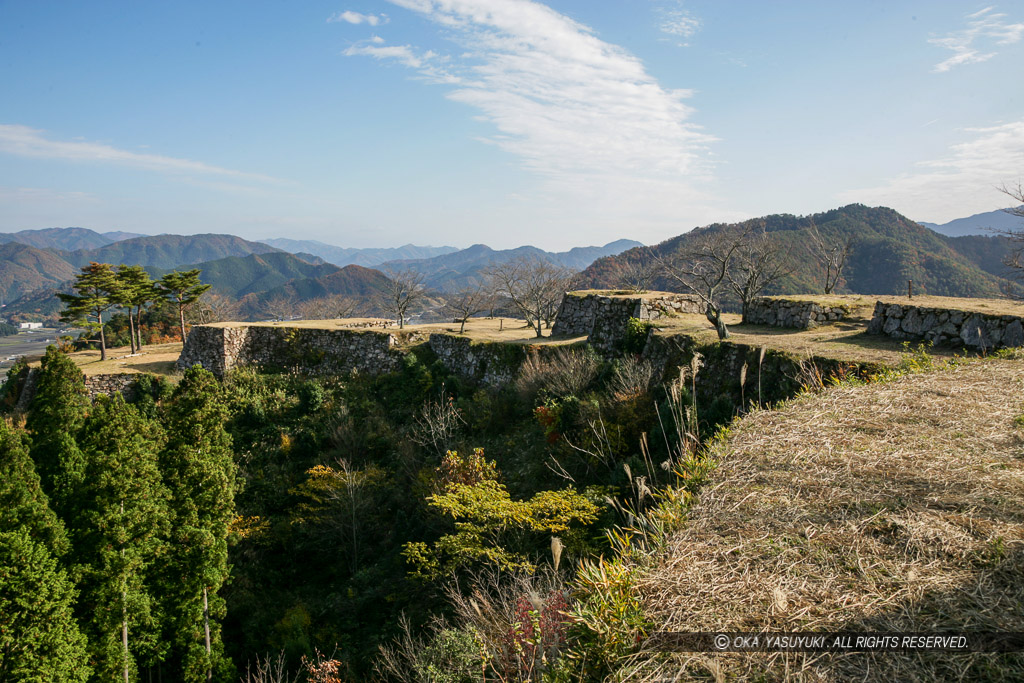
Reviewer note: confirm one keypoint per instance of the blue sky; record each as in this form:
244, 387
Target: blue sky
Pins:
375, 123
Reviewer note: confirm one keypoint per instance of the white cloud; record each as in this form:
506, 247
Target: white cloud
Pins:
43, 195
357, 18
985, 28
678, 22
28, 142
960, 184
580, 112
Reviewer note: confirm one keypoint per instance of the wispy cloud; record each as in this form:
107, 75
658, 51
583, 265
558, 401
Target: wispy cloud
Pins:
959, 184
43, 195
29, 142
678, 22
580, 112
357, 18
985, 28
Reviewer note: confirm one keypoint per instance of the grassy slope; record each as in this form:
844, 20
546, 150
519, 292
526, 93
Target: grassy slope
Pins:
888, 507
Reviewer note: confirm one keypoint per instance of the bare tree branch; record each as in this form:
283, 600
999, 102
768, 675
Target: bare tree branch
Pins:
467, 302
404, 288
832, 254
535, 288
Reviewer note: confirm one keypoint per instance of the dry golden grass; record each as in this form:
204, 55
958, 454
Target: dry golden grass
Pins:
888, 507
844, 340
158, 359
510, 330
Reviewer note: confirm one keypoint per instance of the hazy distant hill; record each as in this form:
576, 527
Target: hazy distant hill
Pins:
978, 224
24, 268
451, 271
236, 276
65, 239
888, 250
342, 256
169, 251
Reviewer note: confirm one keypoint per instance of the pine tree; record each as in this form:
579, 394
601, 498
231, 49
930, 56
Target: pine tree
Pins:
98, 290
199, 469
137, 290
118, 531
184, 289
56, 415
39, 639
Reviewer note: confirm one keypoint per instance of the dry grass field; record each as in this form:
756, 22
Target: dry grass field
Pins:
158, 359
894, 506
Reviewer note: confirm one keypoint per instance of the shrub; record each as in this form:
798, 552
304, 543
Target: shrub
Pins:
632, 378
636, 335
565, 372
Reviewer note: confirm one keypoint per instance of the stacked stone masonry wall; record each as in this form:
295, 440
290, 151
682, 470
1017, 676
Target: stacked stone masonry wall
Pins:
311, 351
603, 318
123, 383
977, 331
493, 365
792, 313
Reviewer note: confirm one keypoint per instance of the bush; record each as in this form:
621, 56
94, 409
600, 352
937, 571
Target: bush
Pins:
636, 335
565, 372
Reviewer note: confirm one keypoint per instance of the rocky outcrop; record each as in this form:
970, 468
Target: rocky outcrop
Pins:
971, 329
793, 313
307, 350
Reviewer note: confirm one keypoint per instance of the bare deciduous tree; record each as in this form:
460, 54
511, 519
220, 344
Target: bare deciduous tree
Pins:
702, 267
467, 302
404, 288
328, 307
756, 266
639, 271
436, 424
1015, 259
534, 287
280, 307
213, 308
831, 253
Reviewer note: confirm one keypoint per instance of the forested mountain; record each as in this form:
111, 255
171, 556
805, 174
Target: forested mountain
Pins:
169, 251
978, 224
65, 239
344, 256
236, 276
351, 281
888, 249
451, 271
24, 269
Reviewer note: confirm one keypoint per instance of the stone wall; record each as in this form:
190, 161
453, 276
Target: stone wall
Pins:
603, 318
123, 383
308, 350
792, 313
492, 364
979, 331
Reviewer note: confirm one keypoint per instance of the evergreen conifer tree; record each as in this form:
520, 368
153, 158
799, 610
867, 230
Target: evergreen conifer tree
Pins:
137, 290
199, 469
118, 530
98, 291
39, 638
183, 288
56, 415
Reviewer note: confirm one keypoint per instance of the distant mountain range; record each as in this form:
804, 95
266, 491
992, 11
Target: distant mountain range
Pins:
888, 249
341, 256
449, 272
66, 239
978, 224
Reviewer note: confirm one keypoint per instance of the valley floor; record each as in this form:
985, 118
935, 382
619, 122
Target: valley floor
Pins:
893, 506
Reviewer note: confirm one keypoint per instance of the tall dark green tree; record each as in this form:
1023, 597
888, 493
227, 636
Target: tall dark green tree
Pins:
136, 291
56, 415
199, 469
183, 288
39, 638
98, 291
118, 531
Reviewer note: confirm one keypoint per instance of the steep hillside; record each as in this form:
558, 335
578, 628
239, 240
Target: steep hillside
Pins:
355, 282
24, 269
236, 276
978, 224
342, 256
451, 271
889, 507
169, 251
888, 249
